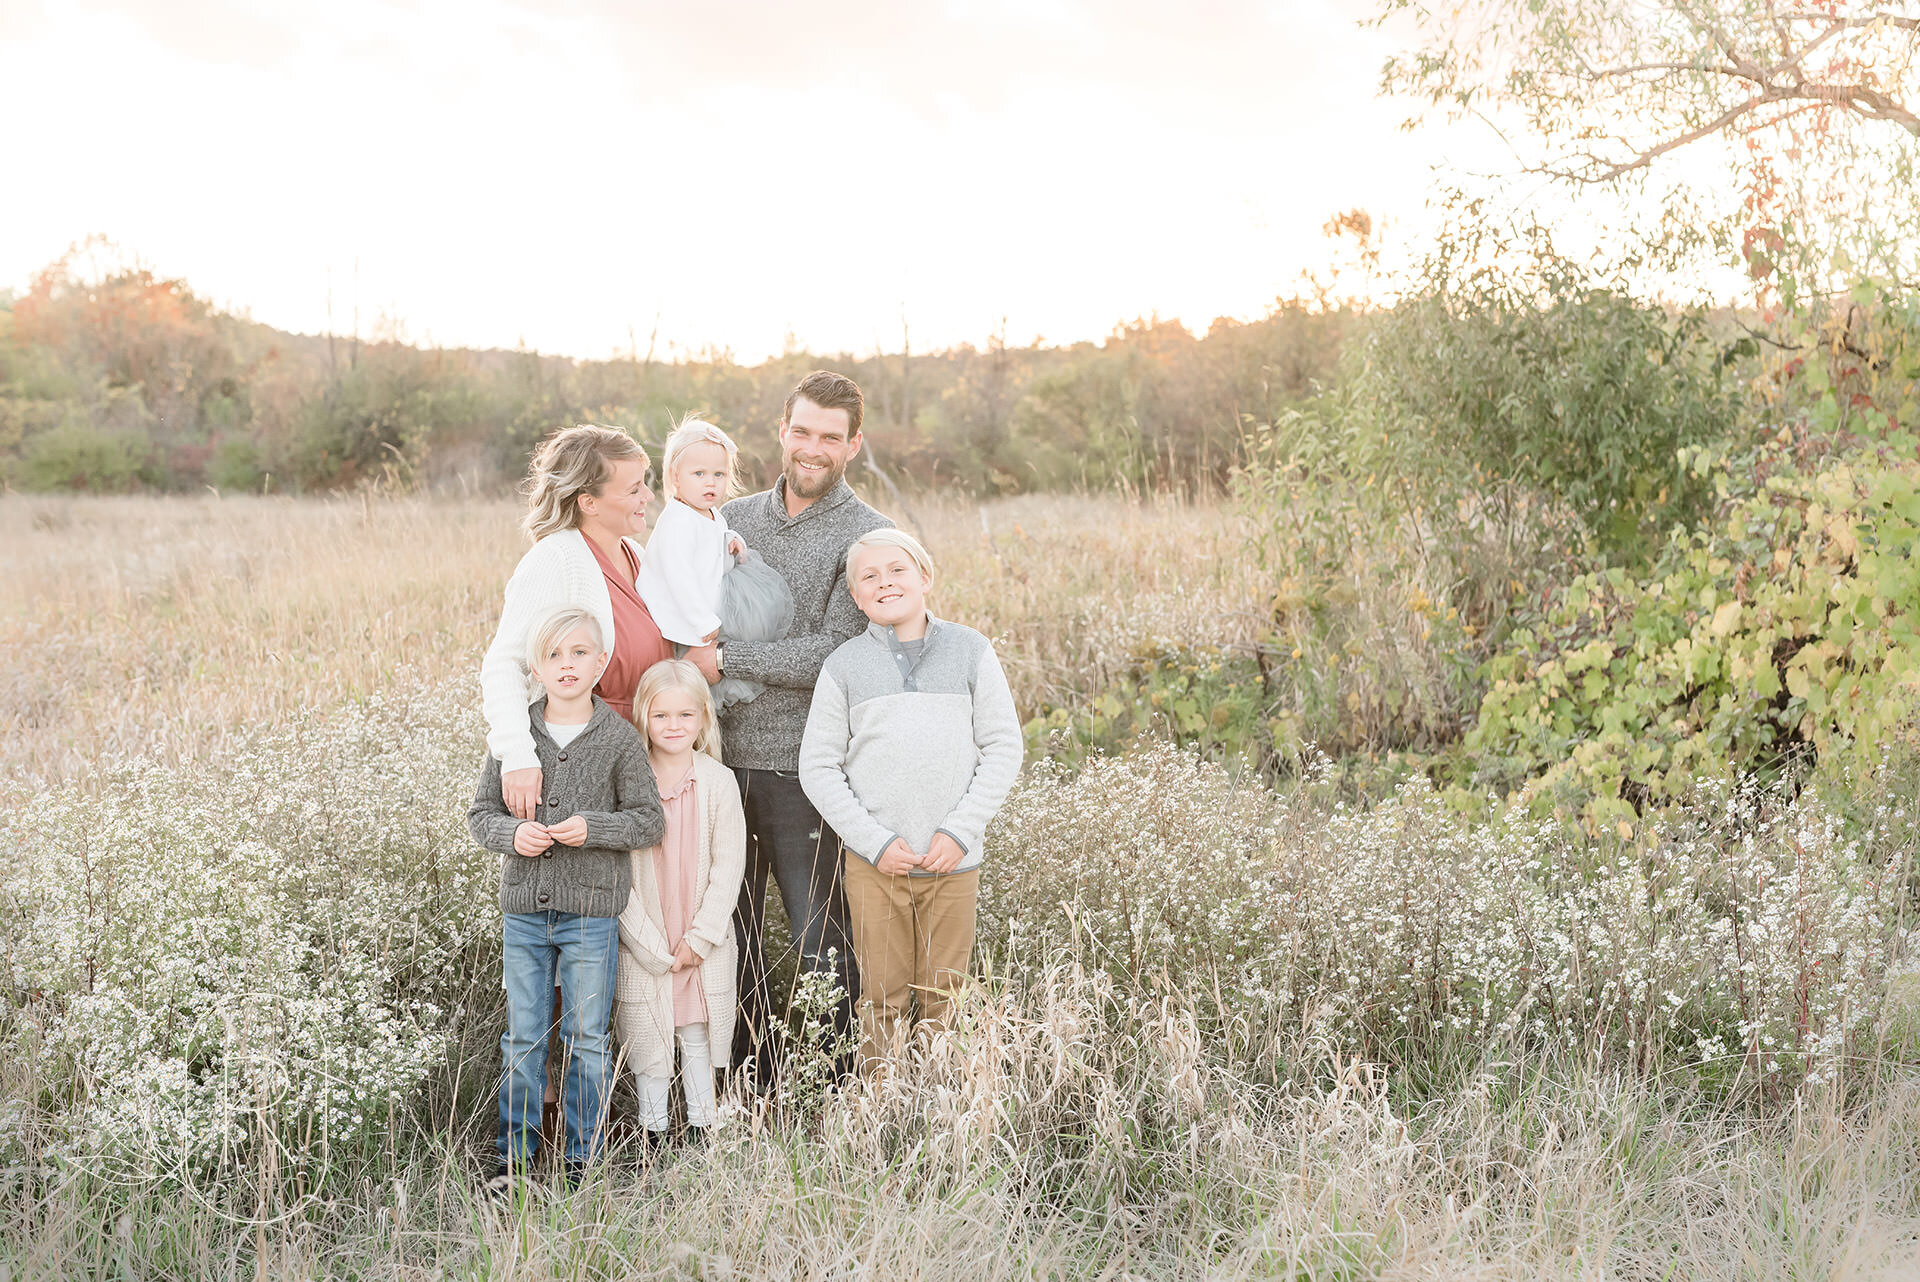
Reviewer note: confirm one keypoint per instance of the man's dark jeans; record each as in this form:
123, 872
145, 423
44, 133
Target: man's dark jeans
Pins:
787, 836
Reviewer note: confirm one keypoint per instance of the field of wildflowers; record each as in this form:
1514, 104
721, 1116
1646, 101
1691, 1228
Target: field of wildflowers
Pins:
1229, 1024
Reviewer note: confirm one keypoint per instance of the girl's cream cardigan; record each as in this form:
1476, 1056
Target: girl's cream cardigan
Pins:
643, 993
559, 572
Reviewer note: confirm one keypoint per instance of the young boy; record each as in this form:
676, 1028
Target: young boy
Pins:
564, 877
910, 748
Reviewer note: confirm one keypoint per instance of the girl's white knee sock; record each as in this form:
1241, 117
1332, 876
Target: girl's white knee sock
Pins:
696, 1074
696, 1079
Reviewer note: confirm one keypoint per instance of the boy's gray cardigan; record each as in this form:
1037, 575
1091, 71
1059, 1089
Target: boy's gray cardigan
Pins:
602, 776
898, 747
810, 551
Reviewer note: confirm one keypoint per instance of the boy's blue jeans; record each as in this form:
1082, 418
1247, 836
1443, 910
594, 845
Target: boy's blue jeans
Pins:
582, 952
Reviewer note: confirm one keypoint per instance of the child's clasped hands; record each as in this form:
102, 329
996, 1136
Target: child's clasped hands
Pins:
533, 839
943, 856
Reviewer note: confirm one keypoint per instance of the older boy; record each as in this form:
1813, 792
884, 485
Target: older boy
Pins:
911, 793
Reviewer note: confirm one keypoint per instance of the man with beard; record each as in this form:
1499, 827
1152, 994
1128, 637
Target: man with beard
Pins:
802, 527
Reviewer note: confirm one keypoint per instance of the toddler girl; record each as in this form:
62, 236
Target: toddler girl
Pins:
678, 952
699, 580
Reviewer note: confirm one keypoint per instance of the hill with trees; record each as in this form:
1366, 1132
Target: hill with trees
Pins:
118, 380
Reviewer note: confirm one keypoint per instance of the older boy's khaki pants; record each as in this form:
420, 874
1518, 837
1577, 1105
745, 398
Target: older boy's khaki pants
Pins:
912, 938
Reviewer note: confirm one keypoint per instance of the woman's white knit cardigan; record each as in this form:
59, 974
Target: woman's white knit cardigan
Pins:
559, 572
643, 992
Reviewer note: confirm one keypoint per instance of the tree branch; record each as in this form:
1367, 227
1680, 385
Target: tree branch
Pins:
1620, 169
1638, 67
1832, 20
1704, 22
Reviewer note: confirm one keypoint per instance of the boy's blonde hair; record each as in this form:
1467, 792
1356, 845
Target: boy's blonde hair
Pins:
547, 633
694, 430
678, 674
888, 537
573, 461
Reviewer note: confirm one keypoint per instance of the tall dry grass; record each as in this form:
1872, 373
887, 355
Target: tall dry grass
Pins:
153, 627
1068, 1130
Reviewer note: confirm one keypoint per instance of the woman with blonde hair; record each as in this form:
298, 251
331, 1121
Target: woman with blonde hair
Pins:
587, 499
678, 952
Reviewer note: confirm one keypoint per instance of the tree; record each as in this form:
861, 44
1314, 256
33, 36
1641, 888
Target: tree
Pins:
1811, 103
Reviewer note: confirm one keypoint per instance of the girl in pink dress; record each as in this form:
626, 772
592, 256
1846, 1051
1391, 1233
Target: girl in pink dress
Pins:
678, 954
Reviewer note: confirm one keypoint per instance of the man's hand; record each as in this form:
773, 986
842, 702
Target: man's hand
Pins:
531, 839
684, 958
898, 859
520, 790
943, 854
571, 831
707, 659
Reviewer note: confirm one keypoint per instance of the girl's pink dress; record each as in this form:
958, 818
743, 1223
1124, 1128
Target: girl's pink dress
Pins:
676, 868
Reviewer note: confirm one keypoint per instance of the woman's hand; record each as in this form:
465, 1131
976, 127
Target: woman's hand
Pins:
531, 839
684, 958
520, 790
571, 831
897, 859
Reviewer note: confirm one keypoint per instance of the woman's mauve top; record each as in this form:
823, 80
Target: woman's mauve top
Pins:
677, 867
637, 643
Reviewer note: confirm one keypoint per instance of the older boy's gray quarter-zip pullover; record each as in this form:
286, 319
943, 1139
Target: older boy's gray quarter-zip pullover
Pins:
904, 745
810, 552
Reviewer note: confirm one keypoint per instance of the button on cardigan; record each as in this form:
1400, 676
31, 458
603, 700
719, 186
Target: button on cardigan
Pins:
606, 781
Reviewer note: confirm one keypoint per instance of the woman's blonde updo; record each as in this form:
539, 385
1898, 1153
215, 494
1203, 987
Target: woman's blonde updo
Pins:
573, 461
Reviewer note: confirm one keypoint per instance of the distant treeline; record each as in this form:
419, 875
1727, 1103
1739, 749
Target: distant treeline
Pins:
127, 381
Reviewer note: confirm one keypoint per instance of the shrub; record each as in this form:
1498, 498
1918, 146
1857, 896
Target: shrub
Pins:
1786, 624
1546, 386
79, 456
206, 964
1376, 602
1744, 933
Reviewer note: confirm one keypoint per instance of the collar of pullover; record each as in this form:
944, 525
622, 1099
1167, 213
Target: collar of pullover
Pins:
885, 635
833, 498
902, 661
537, 713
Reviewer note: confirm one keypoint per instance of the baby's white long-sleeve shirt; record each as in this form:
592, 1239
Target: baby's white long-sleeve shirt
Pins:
680, 577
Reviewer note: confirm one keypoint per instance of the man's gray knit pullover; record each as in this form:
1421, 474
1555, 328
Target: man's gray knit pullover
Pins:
602, 776
905, 745
810, 551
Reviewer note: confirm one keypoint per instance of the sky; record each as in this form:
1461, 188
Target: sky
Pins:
581, 175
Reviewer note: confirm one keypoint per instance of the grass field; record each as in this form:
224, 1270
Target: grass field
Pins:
1230, 1026
150, 626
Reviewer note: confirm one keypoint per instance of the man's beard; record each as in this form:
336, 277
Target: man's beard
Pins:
813, 489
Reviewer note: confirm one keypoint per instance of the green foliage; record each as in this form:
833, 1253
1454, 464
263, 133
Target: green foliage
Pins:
1789, 623
1379, 601
1211, 698
80, 456
1545, 392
